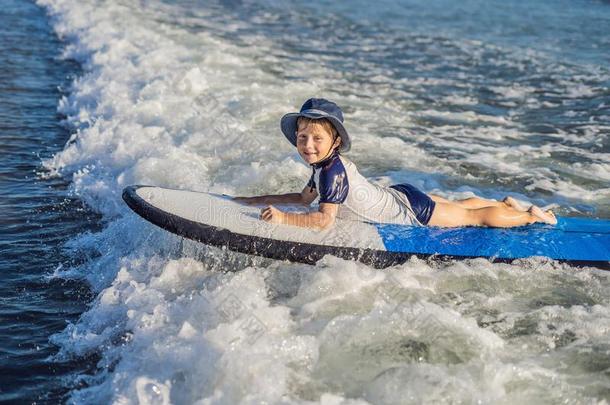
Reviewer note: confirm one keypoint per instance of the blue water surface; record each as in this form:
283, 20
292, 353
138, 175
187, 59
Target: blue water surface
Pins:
37, 214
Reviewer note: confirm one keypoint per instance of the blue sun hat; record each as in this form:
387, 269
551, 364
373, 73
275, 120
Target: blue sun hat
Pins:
316, 108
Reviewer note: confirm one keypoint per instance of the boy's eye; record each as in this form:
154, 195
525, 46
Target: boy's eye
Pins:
303, 138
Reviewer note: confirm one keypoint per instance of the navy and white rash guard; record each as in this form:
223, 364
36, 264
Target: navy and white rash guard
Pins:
338, 181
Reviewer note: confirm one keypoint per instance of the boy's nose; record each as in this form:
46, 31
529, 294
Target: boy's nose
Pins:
309, 142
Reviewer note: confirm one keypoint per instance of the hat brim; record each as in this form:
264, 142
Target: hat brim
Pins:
288, 125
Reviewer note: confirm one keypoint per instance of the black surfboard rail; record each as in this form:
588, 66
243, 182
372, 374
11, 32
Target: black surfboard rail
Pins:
287, 250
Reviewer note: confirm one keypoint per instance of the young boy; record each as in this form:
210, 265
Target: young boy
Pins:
318, 133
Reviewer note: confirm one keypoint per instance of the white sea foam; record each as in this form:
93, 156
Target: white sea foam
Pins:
166, 99
515, 91
463, 118
460, 100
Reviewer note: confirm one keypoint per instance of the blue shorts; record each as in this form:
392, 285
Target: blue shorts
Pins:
421, 204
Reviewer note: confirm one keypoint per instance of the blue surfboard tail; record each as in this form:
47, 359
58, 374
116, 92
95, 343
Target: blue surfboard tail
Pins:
574, 240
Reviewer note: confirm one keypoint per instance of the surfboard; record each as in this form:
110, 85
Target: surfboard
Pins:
217, 220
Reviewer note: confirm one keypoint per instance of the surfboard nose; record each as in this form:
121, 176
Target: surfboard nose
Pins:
131, 198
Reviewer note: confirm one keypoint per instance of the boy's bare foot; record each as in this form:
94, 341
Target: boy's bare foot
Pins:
548, 217
511, 202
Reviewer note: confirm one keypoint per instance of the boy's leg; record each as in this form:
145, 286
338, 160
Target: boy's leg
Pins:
511, 202
478, 202
440, 199
470, 203
452, 215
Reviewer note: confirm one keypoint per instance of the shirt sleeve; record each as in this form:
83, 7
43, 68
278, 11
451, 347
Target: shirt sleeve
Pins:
333, 183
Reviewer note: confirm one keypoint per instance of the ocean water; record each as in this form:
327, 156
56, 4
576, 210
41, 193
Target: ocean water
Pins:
38, 212
486, 97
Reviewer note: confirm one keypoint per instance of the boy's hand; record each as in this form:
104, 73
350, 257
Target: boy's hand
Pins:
272, 215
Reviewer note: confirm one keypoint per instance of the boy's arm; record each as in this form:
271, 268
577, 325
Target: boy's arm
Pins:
305, 197
321, 219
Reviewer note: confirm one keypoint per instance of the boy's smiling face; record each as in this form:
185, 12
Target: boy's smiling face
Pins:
314, 141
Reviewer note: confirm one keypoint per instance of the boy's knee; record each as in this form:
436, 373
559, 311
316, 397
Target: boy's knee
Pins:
475, 217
